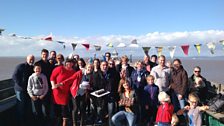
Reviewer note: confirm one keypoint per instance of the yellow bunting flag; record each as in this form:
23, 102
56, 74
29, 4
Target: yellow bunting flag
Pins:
159, 50
198, 48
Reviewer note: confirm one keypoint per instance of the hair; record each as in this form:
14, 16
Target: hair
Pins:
60, 55
150, 76
162, 56
155, 56
83, 62
53, 51
103, 62
178, 60
108, 54
37, 65
45, 50
125, 57
122, 81
163, 97
98, 67
69, 60
197, 67
193, 96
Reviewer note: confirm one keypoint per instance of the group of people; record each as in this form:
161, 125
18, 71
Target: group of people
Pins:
57, 90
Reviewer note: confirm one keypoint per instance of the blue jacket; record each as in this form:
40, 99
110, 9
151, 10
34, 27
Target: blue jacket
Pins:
21, 76
151, 95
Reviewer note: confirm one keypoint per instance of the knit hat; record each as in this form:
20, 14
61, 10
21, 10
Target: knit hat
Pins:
163, 97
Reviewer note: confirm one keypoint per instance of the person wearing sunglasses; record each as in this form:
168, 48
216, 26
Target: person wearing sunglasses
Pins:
197, 84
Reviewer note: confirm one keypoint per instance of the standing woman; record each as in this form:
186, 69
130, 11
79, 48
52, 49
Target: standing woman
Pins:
127, 105
96, 65
61, 87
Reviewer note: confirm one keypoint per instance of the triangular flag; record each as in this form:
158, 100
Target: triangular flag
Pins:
86, 46
121, 45
198, 48
97, 48
222, 42
146, 50
61, 42
134, 41
172, 50
109, 45
185, 49
159, 50
48, 38
211, 46
73, 46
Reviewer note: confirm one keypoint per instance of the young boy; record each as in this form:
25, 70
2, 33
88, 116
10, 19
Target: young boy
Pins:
193, 111
37, 88
165, 110
151, 91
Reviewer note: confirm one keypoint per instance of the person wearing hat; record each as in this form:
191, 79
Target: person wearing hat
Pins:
165, 110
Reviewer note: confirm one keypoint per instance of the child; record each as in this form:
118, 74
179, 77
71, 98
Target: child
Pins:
37, 89
193, 111
151, 91
165, 110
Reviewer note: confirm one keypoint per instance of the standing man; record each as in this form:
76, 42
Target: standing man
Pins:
46, 70
162, 74
20, 78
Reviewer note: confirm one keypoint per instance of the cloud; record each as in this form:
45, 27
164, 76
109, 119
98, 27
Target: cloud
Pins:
18, 46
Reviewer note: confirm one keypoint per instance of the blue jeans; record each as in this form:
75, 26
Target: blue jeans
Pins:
164, 124
123, 115
23, 107
111, 111
178, 104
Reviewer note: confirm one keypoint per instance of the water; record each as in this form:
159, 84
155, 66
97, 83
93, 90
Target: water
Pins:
212, 68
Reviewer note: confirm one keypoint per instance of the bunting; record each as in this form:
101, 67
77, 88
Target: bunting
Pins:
121, 45
172, 51
109, 45
61, 42
86, 46
48, 38
73, 46
97, 48
222, 43
198, 48
146, 50
185, 49
159, 50
211, 47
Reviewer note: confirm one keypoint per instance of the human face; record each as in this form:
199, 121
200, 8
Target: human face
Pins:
89, 68
111, 64
150, 80
44, 56
69, 65
59, 59
30, 59
103, 66
126, 85
162, 61
176, 65
95, 63
37, 70
107, 57
153, 59
139, 66
80, 63
197, 72
193, 103
53, 55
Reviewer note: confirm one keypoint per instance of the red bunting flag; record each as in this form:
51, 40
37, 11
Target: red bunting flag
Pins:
48, 38
86, 46
185, 49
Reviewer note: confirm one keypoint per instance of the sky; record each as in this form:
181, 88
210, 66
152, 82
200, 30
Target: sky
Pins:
151, 22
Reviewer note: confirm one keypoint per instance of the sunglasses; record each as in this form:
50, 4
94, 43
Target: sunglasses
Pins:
197, 71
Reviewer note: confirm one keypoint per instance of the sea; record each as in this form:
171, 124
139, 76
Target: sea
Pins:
212, 67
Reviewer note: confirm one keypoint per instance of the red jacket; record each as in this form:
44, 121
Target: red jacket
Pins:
164, 113
61, 94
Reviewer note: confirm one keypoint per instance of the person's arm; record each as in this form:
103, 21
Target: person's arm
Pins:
184, 83
17, 75
54, 76
181, 111
203, 108
30, 87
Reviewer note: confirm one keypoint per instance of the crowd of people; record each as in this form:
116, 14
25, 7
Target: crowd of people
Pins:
57, 91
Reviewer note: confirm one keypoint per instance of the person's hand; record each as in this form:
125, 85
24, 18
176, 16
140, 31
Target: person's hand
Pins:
41, 97
34, 98
187, 107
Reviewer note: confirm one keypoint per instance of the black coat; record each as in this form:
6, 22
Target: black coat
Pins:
21, 76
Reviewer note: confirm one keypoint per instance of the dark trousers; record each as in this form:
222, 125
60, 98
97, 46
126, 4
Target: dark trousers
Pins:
23, 108
79, 104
